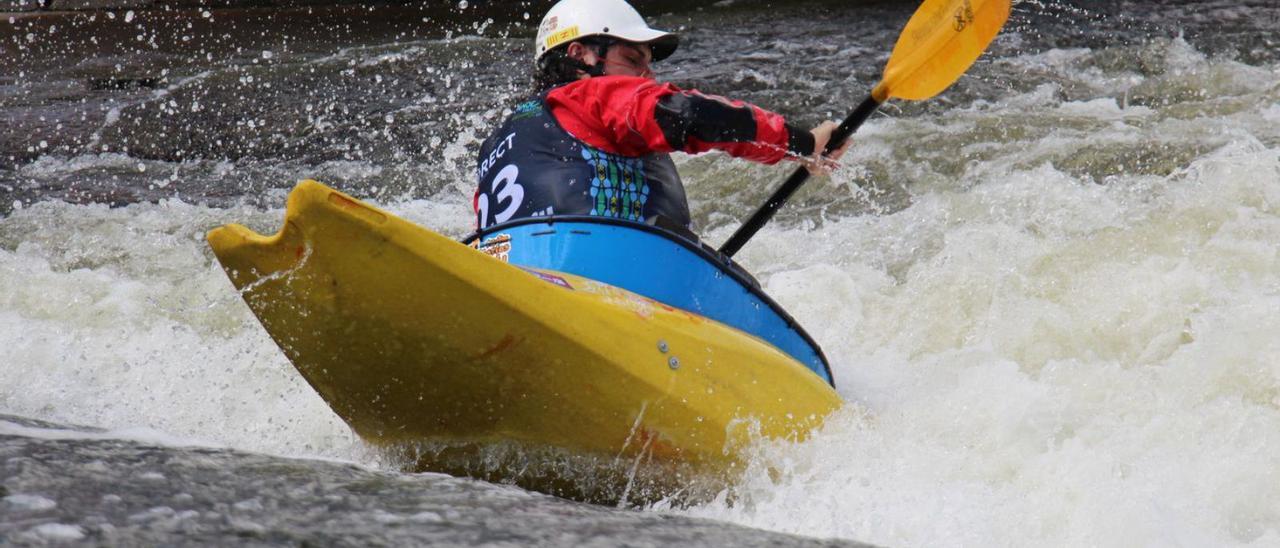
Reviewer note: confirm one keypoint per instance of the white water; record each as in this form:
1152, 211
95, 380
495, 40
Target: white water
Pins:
1032, 355
1111, 378
1036, 359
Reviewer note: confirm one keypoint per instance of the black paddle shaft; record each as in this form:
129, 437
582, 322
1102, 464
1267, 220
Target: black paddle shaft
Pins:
797, 179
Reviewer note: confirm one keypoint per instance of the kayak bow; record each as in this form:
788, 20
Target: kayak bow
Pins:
442, 354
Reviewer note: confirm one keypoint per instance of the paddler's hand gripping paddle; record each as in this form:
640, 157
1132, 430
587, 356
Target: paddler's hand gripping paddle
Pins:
939, 43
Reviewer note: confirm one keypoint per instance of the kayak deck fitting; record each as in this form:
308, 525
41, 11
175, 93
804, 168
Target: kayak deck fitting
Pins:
525, 360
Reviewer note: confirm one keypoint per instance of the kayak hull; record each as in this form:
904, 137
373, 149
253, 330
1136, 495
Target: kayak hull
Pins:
447, 357
667, 267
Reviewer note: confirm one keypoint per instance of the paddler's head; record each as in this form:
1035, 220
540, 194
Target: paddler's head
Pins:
585, 38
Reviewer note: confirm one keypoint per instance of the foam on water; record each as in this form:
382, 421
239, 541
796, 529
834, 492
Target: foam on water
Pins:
53, 532
34, 503
119, 317
1058, 328
1071, 365
1040, 356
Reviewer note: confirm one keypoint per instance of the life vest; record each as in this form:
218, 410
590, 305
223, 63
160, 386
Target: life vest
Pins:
532, 167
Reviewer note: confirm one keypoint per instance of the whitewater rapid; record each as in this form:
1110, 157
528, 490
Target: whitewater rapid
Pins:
1039, 357
1053, 312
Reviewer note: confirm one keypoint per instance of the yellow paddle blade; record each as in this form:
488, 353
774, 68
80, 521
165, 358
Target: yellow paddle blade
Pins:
940, 42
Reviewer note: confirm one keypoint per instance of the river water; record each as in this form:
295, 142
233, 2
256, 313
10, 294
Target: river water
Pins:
1050, 296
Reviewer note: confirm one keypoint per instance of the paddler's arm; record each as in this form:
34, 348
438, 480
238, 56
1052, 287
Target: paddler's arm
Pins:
636, 116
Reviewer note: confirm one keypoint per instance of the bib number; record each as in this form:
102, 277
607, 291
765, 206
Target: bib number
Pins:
506, 191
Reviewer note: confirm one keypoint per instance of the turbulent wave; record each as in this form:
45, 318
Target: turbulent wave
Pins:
1064, 335
1049, 296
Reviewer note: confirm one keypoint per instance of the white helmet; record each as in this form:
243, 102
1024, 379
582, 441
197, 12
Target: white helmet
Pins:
570, 20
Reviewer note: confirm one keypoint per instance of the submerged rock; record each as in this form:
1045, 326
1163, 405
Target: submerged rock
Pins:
134, 494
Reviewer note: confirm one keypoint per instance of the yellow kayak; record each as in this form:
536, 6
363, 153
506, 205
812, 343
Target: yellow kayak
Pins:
453, 360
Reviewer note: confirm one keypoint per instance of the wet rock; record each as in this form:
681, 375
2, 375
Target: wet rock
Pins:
234, 498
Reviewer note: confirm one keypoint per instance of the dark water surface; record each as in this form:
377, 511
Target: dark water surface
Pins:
1049, 295
65, 485
216, 107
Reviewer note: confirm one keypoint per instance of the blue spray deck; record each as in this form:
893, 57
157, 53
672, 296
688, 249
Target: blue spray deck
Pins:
660, 265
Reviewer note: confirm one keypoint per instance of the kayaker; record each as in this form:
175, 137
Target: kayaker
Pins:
595, 138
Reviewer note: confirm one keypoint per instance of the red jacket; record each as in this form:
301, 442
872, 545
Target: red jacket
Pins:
636, 116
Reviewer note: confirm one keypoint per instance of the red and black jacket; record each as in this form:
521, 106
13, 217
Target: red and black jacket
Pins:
599, 146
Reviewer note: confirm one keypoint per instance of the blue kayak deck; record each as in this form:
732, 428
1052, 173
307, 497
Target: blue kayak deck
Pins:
657, 264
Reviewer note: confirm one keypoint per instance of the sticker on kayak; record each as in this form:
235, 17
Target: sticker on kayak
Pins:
549, 278
498, 247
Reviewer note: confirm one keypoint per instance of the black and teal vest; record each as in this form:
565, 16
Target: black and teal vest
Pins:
532, 167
